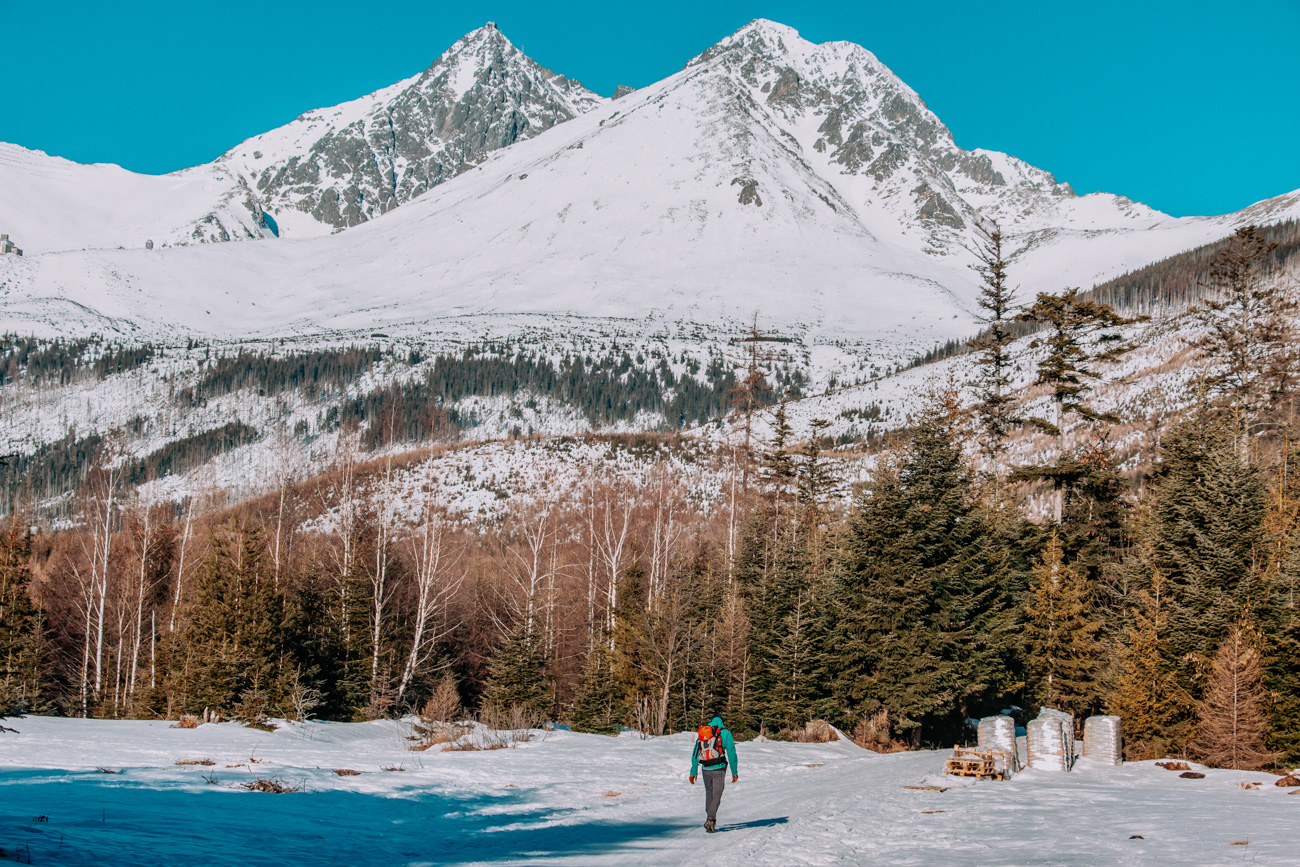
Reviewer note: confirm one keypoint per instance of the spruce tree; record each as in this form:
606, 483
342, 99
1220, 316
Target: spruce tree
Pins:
1206, 535
230, 651
1279, 614
1248, 322
924, 625
598, 704
1081, 337
1094, 522
21, 625
516, 676
1232, 722
1155, 709
995, 404
1061, 634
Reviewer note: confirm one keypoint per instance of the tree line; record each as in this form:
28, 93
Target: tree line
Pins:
930, 600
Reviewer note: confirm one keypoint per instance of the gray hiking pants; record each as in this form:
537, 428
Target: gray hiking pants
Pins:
714, 783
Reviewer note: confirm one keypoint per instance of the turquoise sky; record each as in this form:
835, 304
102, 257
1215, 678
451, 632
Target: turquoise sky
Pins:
1188, 106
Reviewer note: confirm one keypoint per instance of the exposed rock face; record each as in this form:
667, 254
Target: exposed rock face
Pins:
869, 123
348, 164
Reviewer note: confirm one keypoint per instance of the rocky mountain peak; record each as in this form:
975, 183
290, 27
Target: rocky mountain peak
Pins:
860, 119
346, 165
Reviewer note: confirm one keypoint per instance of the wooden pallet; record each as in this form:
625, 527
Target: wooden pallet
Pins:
966, 762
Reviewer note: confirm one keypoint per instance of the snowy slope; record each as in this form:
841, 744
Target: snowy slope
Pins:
48, 203
695, 202
577, 799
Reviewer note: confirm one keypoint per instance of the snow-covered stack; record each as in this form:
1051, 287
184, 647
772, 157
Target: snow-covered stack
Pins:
1102, 741
1067, 732
1046, 737
998, 734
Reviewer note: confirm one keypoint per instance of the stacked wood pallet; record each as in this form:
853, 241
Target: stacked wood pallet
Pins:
967, 762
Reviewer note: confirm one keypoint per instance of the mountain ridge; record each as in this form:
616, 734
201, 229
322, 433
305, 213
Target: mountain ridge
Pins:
803, 182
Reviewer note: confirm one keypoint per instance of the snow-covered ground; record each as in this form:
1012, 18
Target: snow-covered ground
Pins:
568, 798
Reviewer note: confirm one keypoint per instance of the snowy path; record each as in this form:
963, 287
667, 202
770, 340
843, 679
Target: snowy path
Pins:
547, 801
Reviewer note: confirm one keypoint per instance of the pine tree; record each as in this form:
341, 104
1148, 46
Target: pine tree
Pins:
21, 625
598, 705
516, 676
1094, 521
924, 626
230, 651
1155, 709
1063, 651
1081, 338
1278, 614
1232, 723
1249, 325
995, 405
777, 472
1206, 536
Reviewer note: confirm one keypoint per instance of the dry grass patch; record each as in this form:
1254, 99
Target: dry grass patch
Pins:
207, 763
471, 747
347, 772
272, 785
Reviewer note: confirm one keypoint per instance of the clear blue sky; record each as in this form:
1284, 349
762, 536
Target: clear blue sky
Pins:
1188, 106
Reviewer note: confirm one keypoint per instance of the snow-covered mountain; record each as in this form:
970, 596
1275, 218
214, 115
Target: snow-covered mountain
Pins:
802, 182
328, 169
805, 184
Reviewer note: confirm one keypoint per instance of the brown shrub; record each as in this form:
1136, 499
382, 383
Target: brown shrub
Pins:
347, 772
816, 732
1174, 766
471, 747
273, 785
872, 733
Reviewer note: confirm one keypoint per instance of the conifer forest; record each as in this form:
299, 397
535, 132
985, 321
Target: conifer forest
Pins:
949, 586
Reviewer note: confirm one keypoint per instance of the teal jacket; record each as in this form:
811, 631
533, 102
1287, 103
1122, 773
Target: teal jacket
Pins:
728, 745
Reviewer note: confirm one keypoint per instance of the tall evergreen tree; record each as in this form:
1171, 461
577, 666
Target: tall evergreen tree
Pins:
230, 650
1061, 634
598, 704
21, 625
1081, 337
995, 403
516, 676
1248, 322
1155, 709
923, 621
1279, 614
1206, 535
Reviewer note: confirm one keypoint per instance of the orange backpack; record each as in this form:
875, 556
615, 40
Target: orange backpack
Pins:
710, 747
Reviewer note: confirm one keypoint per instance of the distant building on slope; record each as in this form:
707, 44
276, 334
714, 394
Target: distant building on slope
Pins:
7, 246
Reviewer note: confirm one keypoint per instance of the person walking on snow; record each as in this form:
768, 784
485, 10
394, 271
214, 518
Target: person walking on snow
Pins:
714, 750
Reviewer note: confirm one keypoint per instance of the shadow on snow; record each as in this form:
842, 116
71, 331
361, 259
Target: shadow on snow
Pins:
757, 823
90, 818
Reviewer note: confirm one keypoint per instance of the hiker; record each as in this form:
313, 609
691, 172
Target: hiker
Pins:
714, 750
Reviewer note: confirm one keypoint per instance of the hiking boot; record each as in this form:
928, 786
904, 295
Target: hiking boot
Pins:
709, 825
